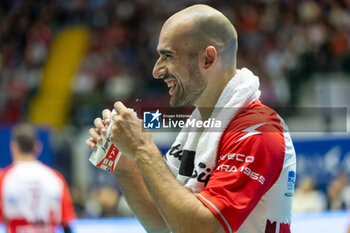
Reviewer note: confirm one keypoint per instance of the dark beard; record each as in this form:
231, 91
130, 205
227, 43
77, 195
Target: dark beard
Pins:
191, 89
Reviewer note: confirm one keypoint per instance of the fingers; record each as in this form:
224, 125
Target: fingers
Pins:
91, 143
95, 134
120, 108
123, 112
101, 125
106, 114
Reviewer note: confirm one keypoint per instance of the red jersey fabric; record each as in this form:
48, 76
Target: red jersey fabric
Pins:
253, 182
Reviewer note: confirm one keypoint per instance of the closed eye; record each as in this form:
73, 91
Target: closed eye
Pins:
166, 53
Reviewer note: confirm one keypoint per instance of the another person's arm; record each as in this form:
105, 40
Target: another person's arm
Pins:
68, 213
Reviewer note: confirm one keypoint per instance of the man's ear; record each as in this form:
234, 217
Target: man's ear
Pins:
14, 148
38, 148
208, 57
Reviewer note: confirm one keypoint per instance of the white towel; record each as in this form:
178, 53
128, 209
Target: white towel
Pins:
193, 155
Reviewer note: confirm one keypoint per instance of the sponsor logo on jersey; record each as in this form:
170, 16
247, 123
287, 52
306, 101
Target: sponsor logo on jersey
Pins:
290, 184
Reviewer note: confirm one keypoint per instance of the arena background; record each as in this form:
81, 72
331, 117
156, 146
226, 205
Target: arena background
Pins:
62, 62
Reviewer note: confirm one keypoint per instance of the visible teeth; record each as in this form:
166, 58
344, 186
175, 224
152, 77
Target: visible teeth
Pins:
171, 84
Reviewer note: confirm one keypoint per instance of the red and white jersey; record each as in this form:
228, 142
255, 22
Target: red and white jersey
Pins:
252, 187
34, 198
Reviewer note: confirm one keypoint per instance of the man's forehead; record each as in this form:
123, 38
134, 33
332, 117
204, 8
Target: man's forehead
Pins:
172, 36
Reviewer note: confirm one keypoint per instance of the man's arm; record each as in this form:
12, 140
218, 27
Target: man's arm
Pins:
131, 183
180, 208
134, 189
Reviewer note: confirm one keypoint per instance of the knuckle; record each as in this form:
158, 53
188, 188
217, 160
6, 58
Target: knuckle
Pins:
125, 114
117, 120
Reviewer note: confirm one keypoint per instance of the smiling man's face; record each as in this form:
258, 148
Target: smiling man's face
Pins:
178, 66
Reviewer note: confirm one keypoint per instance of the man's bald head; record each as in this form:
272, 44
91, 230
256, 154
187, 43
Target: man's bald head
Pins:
205, 26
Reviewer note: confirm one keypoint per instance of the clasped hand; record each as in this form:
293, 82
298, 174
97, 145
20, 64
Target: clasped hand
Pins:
127, 133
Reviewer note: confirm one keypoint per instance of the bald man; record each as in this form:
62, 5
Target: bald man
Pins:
197, 35
238, 180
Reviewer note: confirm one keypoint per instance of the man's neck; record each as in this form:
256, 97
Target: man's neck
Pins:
211, 97
24, 158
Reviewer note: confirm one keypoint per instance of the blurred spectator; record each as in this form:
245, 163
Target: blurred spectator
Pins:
335, 193
78, 199
123, 209
34, 197
107, 198
106, 201
307, 198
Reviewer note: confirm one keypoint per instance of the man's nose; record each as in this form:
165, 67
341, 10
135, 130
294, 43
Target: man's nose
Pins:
159, 70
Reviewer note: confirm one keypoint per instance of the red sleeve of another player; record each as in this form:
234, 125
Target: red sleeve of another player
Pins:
247, 167
2, 177
68, 212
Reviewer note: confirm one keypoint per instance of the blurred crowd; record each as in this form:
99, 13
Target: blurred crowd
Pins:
103, 201
309, 198
284, 42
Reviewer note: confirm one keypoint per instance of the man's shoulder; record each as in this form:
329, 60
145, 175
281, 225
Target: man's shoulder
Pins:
36, 168
51, 170
256, 115
4, 171
256, 126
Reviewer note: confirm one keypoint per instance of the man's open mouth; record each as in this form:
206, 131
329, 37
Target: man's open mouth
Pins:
172, 84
